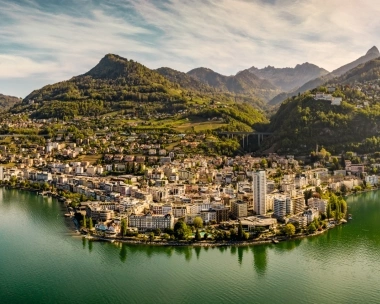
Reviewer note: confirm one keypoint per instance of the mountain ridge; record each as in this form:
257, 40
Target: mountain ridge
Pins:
289, 78
372, 53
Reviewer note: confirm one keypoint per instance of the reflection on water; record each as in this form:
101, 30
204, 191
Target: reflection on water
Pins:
260, 259
341, 265
123, 252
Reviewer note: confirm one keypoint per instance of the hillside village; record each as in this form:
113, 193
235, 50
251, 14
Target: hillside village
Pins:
152, 187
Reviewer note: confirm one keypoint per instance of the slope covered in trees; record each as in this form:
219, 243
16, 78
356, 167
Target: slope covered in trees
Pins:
119, 84
7, 102
303, 122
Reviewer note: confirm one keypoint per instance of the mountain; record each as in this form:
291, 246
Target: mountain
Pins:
6, 102
117, 84
244, 82
371, 54
184, 80
302, 122
368, 71
288, 79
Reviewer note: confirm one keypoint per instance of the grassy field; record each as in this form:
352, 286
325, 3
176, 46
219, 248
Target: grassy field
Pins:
199, 126
90, 158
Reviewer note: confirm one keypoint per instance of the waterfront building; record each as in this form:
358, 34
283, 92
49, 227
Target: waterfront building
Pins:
259, 188
314, 202
311, 214
282, 206
151, 221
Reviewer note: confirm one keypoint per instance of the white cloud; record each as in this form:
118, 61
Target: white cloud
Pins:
225, 35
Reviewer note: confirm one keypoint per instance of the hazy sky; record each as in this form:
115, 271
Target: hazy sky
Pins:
45, 41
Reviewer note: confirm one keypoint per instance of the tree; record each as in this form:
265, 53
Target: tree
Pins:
84, 221
328, 211
198, 236
240, 232
289, 229
157, 232
312, 228
90, 224
123, 227
205, 236
198, 222
151, 237
181, 231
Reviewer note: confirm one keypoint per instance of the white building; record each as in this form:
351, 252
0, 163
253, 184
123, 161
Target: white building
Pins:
370, 179
259, 188
321, 204
282, 206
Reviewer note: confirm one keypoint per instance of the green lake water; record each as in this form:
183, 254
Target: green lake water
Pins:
41, 262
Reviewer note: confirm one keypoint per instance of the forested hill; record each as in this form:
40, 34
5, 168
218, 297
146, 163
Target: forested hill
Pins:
303, 122
125, 86
368, 71
7, 102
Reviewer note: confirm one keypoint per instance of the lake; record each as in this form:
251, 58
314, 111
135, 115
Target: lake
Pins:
42, 262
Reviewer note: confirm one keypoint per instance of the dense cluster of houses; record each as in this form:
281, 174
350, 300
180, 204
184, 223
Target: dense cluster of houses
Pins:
217, 189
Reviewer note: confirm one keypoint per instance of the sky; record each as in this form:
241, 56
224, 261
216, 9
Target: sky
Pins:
46, 41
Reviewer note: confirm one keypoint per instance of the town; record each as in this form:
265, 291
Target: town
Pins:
137, 187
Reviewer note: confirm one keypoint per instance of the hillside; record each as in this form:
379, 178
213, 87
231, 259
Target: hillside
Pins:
244, 83
302, 122
120, 85
368, 71
371, 54
287, 79
184, 80
6, 102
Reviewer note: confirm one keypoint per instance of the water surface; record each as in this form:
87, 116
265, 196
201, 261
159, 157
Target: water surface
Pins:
41, 262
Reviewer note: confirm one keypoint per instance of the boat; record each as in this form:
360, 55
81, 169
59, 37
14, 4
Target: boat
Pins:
275, 241
350, 216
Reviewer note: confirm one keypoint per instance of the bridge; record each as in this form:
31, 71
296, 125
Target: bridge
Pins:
260, 135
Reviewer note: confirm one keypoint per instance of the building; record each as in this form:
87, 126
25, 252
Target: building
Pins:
259, 188
370, 179
239, 209
314, 202
151, 221
311, 214
282, 206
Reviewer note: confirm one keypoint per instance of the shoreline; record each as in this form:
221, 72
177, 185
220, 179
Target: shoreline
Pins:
69, 223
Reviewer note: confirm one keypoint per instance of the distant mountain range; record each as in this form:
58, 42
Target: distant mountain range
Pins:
287, 79
6, 102
371, 54
243, 82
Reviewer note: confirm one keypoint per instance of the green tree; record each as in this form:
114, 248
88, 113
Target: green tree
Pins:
123, 227
312, 228
90, 224
240, 232
328, 211
84, 221
289, 229
198, 236
151, 237
198, 222
157, 232
181, 231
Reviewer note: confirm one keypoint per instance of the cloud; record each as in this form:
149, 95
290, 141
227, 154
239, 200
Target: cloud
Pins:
56, 41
